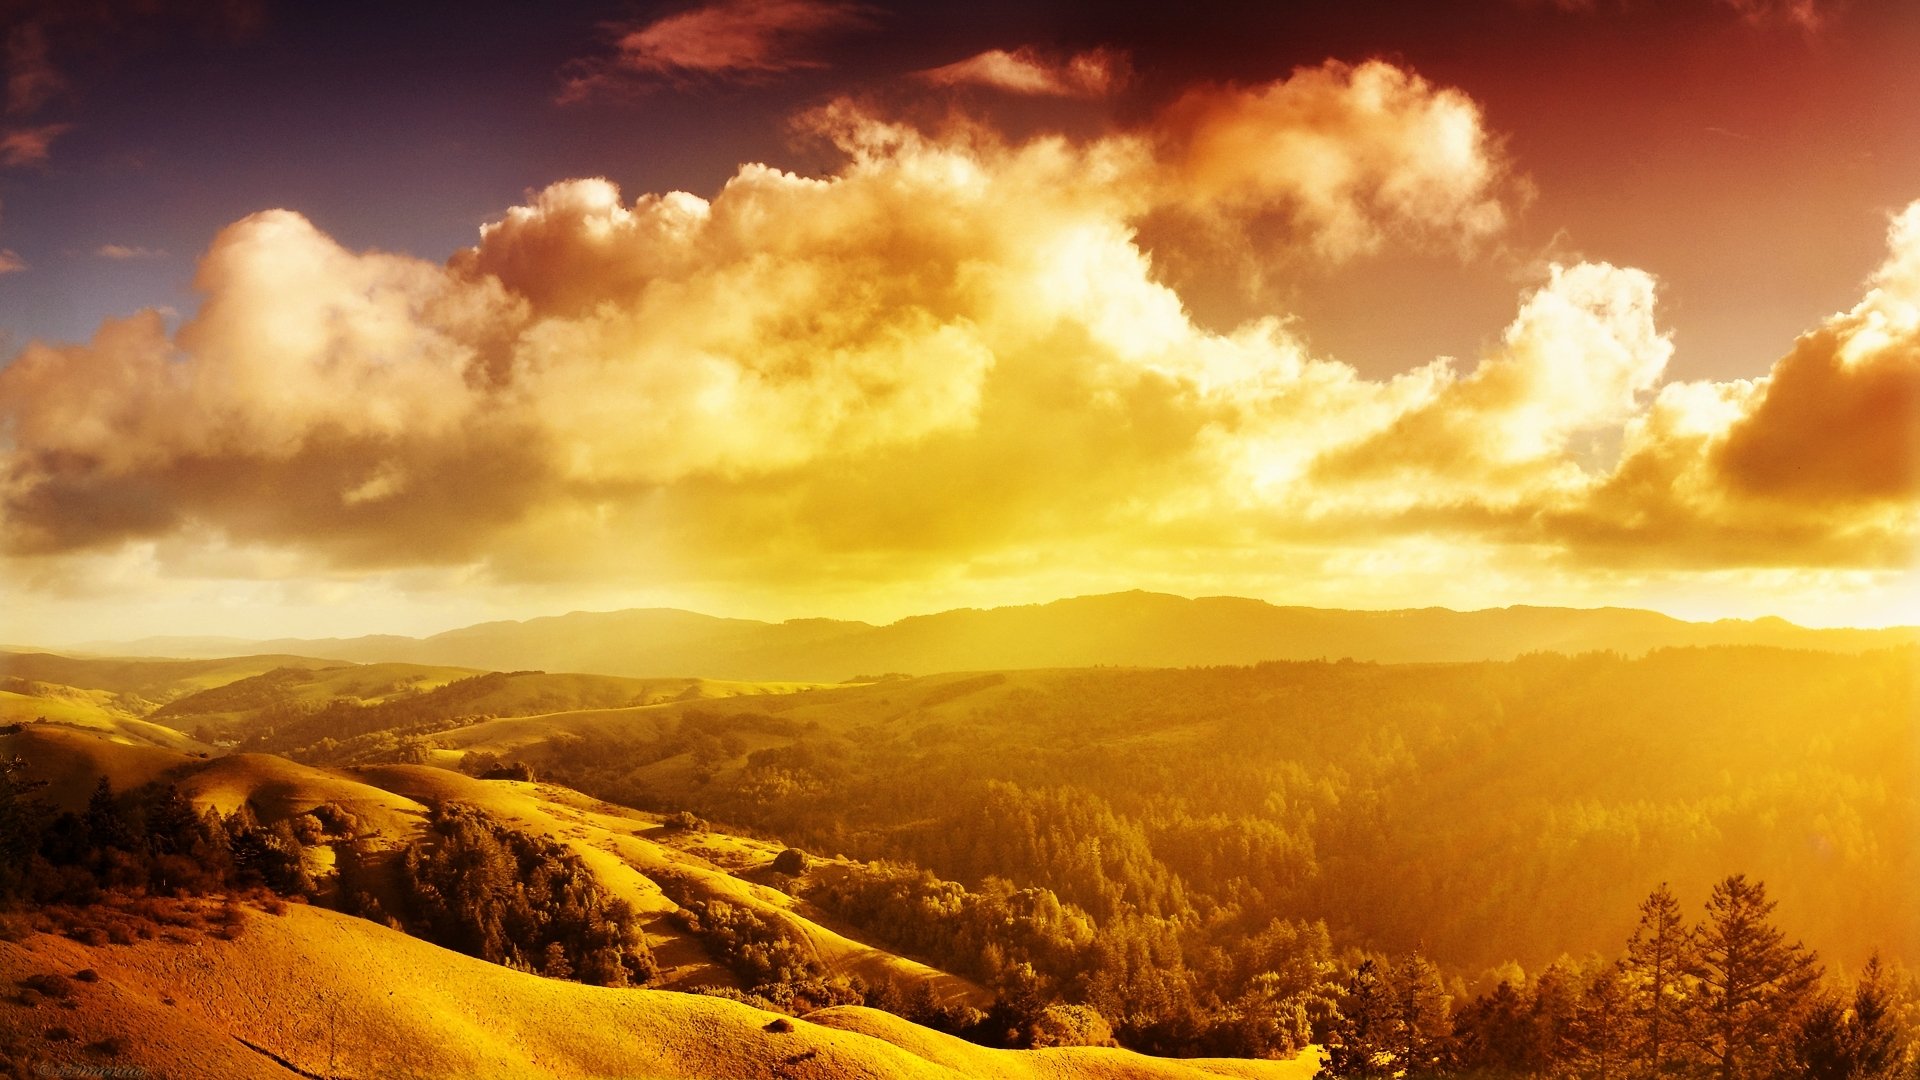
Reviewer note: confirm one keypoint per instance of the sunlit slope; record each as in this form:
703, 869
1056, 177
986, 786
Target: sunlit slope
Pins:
307, 686
1135, 628
629, 852
140, 685
632, 854
90, 710
118, 697
69, 764
331, 995
277, 788
531, 736
289, 707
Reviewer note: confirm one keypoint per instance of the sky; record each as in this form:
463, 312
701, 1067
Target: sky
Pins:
349, 318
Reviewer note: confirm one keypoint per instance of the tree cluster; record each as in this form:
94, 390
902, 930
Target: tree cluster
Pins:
474, 885
778, 968
1728, 997
146, 841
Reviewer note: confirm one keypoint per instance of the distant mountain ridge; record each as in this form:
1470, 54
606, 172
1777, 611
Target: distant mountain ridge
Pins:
1130, 629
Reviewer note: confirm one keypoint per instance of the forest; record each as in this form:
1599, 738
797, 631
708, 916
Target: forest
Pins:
1124, 839
1486, 812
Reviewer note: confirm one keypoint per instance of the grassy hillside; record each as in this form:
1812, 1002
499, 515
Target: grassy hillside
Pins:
140, 685
630, 854
68, 763
328, 995
289, 708
1136, 628
120, 698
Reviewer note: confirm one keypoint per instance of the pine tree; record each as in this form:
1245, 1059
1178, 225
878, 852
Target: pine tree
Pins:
1360, 1035
1597, 1043
1754, 984
1656, 973
1876, 1037
1420, 1015
1495, 1032
107, 826
21, 822
1835, 1042
554, 963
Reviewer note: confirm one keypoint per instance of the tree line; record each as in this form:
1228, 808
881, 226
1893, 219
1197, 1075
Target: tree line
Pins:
149, 840
1728, 997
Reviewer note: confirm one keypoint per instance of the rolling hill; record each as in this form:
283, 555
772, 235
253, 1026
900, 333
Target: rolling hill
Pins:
314, 993
1131, 629
629, 853
118, 697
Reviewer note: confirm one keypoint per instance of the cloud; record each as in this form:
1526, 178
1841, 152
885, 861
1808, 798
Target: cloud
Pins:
44, 36
733, 40
1818, 461
31, 145
953, 357
11, 263
1580, 357
126, 252
1346, 156
32, 78
1092, 74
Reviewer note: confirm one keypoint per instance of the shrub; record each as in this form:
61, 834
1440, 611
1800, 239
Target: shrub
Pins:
791, 862
1071, 1025
49, 984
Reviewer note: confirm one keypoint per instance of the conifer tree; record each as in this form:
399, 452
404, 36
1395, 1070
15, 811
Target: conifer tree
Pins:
1360, 1038
1857, 1040
1597, 1043
1421, 1023
1657, 976
1754, 984
1494, 1032
107, 827
21, 822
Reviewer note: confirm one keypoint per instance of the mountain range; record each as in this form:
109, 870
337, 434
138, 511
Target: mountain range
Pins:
1128, 629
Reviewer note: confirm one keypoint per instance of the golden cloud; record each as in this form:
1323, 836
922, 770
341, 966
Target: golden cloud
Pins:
1095, 73
1817, 463
954, 351
1350, 156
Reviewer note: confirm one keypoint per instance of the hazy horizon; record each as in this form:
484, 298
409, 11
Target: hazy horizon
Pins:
433, 630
